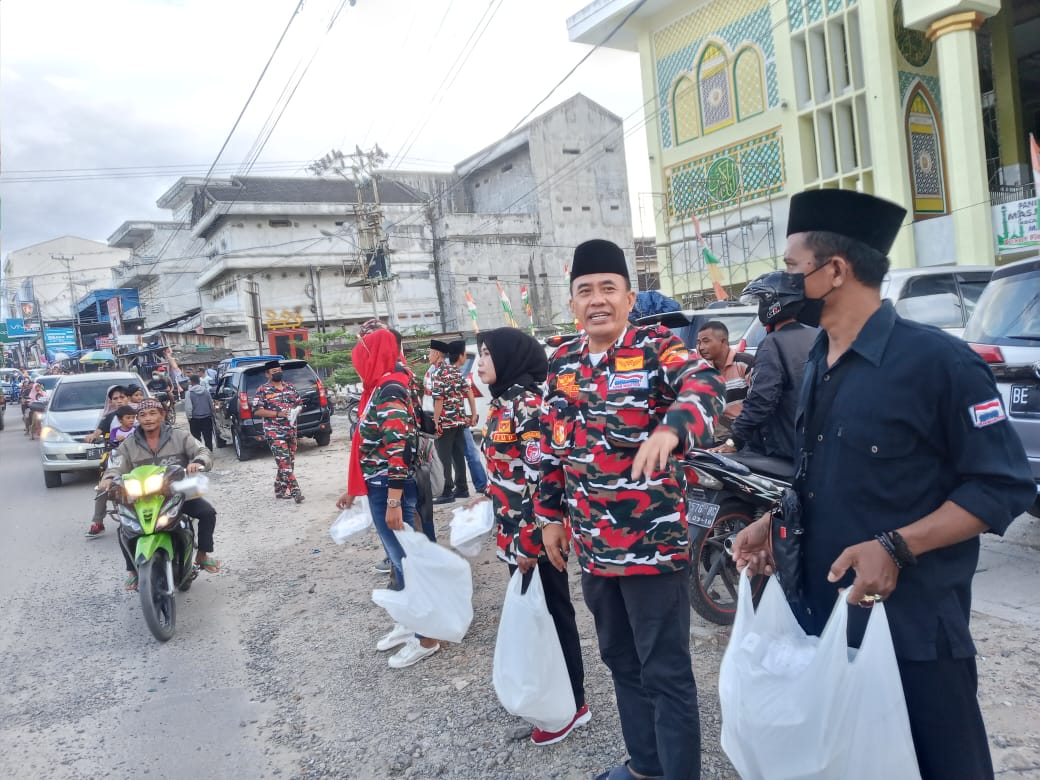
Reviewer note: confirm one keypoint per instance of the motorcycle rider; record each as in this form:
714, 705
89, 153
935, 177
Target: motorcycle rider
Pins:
766, 421
160, 383
156, 444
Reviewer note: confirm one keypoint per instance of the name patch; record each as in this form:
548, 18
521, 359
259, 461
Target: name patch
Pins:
633, 380
987, 413
503, 438
628, 363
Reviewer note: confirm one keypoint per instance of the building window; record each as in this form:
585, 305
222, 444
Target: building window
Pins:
684, 110
279, 223
714, 88
749, 78
925, 149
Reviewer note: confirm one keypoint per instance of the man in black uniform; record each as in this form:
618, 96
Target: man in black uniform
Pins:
906, 458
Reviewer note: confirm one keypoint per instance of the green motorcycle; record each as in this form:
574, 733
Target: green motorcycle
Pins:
160, 540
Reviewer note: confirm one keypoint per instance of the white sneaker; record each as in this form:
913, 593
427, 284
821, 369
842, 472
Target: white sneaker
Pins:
411, 653
398, 636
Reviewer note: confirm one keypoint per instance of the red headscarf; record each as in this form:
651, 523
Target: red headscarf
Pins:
375, 357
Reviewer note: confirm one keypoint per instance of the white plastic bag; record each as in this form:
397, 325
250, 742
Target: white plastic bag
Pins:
795, 707
469, 527
351, 521
192, 486
529, 673
437, 599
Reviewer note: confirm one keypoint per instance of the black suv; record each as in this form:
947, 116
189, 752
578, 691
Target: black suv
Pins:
233, 418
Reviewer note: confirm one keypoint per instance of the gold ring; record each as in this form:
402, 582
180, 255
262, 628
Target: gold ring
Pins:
872, 598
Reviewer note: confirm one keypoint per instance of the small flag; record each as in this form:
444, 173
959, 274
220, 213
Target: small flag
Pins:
506, 306
472, 306
1034, 153
715, 272
527, 305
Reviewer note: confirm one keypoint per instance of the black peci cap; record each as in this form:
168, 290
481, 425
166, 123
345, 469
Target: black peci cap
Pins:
598, 257
869, 220
440, 346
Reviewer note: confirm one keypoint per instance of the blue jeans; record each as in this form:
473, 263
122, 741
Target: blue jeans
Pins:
476, 468
377, 495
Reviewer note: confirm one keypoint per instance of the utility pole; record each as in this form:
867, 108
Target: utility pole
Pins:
253, 292
67, 261
374, 256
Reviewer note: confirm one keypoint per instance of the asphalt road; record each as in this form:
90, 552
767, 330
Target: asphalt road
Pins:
87, 692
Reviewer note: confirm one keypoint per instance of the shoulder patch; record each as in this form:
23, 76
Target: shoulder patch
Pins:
987, 413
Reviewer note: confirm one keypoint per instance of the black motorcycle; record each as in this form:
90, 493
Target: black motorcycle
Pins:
724, 494
168, 404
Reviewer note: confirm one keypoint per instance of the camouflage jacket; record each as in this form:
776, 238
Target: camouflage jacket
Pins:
269, 397
512, 447
594, 418
388, 435
450, 388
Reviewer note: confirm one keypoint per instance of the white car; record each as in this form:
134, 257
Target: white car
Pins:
940, 295
73, 412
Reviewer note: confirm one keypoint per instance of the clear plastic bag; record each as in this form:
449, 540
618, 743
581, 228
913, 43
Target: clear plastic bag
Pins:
798, 707
469, 527
351, 521
530, 673
437, 599
192, 486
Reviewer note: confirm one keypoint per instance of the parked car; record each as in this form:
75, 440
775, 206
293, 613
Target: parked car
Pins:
10, 381
227, 364
745, 331
1005, 330
233, 418
73, 410
941, 295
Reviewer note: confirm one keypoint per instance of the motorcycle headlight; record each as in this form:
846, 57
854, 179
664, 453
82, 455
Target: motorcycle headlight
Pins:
134, 489
48, 433
153, 484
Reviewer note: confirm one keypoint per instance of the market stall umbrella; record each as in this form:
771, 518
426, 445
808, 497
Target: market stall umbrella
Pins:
98, 356
60, 357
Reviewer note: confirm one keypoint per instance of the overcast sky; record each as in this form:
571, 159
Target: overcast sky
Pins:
139, 84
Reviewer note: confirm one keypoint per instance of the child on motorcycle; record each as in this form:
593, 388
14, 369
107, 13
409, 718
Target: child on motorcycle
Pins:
127, 423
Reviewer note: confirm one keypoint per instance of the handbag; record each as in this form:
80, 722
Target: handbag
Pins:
786, 531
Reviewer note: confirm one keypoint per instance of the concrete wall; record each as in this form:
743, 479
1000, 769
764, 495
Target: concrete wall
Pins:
505, 184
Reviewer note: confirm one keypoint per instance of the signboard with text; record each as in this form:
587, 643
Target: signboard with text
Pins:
115, 316
1015, 226
16, 329
59, 339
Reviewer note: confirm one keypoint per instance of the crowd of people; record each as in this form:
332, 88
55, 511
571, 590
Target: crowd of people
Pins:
582, 457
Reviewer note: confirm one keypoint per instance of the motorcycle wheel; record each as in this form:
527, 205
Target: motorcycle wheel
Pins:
714, 578
171, 416
352, 414
160, 610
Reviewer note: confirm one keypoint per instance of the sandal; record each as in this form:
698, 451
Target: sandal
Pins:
130, 583
211, 565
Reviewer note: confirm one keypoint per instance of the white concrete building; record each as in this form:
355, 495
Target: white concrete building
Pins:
62, 271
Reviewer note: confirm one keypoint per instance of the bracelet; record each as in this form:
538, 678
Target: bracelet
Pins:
897, 548
887, 545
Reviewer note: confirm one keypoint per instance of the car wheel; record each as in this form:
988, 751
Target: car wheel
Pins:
1034, 510
241, 451
323, 438
52, 479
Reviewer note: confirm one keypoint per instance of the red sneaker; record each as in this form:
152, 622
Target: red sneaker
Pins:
581, 717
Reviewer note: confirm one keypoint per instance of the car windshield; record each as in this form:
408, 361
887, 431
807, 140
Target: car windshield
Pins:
302, 378
1009, 309
48, 382
78, 396
736, 323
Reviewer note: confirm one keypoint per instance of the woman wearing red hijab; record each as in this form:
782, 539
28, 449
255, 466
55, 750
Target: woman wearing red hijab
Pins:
382, 453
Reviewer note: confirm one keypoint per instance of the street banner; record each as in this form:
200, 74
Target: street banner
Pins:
105, 342
1015, 226
115, 316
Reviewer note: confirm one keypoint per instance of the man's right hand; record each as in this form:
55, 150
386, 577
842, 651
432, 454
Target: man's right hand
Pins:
104, 485
554, 540
752, 549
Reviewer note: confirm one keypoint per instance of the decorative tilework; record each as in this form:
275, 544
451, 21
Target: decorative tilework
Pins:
931, 83
814, 10
835, 6
926, 162
684, 104
747, 75
678, 46
745, 172
803, 12
714, 84
795, 15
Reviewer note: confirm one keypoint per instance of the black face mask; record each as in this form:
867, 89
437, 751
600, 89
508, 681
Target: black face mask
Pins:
276, 376
811, 310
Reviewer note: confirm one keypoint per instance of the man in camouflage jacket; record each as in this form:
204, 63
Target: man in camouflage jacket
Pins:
274, 402
620, 403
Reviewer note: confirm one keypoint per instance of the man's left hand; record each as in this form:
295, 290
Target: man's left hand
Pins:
394, 518
193, 467
876, 572
654, 453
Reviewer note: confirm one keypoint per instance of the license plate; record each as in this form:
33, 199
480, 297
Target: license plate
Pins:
701, 513
95, 453
1025, 401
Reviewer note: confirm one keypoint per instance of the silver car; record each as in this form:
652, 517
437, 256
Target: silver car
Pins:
73, 412
1005, 330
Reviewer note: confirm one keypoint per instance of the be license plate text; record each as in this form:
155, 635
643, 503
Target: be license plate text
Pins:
701, 513
95, 453
1025, 401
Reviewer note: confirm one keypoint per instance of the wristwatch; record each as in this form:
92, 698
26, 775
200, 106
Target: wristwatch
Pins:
731, 443
393, 503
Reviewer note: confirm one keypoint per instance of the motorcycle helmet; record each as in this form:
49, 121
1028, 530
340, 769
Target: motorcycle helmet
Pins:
778, 294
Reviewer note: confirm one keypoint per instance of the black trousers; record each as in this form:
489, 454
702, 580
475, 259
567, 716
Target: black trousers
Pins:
451, 449
203, 511
945, 719
202, 429
558, 599
643, 626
